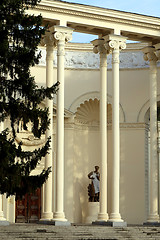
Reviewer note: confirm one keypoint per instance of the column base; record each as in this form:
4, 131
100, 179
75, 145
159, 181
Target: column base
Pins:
59, 217
4, 223
115, 217
117, 224
54, 223
102, 217
153, 218
46, 216
110, 224
60, 223
156, 224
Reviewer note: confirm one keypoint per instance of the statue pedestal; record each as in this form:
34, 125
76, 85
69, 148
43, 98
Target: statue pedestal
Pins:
93, 210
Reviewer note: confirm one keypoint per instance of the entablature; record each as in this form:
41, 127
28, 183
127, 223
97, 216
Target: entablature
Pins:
96, 20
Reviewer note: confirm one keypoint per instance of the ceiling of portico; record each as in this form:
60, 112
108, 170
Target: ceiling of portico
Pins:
99, 21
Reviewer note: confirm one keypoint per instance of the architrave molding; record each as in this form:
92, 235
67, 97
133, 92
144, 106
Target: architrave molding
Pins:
86, 11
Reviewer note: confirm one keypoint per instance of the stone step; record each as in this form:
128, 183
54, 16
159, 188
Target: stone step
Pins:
85, 232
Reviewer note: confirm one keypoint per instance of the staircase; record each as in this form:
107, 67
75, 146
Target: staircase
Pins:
77, 232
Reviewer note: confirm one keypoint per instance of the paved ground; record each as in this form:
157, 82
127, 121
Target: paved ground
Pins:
77, 232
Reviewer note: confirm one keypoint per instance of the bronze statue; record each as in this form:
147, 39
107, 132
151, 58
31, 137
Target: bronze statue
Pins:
93, 188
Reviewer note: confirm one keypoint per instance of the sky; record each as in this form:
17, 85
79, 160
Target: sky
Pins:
145, 7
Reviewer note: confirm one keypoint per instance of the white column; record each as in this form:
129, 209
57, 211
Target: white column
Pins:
3, 220
153, 184
62, 34
157, 47
115, 42
47, 213
99, 47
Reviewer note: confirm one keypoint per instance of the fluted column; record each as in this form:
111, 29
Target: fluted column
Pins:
47, 213
149, 54
62, 35
115, 43
99, 47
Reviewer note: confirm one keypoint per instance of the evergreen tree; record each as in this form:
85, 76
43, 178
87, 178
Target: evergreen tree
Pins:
20, 97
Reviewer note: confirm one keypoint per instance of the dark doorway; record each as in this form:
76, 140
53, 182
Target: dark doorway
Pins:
28, 209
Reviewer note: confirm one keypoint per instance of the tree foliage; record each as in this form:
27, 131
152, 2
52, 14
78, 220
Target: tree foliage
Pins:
20, 97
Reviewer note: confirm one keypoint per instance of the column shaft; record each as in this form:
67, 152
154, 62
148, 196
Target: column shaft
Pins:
62, 35
47, 214
115, 216
3, 220
60, 133
103, 135
153, 211
116, 43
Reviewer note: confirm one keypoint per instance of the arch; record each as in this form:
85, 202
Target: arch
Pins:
142, 113
94, 95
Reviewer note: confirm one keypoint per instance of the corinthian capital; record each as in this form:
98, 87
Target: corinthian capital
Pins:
149, 54
62, 33
100, 47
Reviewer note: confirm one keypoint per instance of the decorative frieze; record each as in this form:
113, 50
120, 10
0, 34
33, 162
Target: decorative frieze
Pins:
89, 60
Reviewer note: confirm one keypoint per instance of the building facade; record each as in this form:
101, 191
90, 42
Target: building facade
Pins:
105, 114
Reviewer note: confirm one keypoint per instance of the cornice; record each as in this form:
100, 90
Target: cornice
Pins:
99, 13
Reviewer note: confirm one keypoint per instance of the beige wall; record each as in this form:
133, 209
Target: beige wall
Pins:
132, 197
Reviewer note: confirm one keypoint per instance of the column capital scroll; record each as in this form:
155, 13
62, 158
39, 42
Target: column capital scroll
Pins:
115, 42
62, 33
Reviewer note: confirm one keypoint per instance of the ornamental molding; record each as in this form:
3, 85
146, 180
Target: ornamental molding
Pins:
133, 19
123, 126
133, 126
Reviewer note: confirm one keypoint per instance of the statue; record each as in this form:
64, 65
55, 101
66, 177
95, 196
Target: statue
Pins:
93, 188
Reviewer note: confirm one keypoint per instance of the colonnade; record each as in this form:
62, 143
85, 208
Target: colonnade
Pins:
109, 44
112, 43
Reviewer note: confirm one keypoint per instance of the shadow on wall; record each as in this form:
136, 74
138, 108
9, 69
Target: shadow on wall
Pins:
80, 166
87, 149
